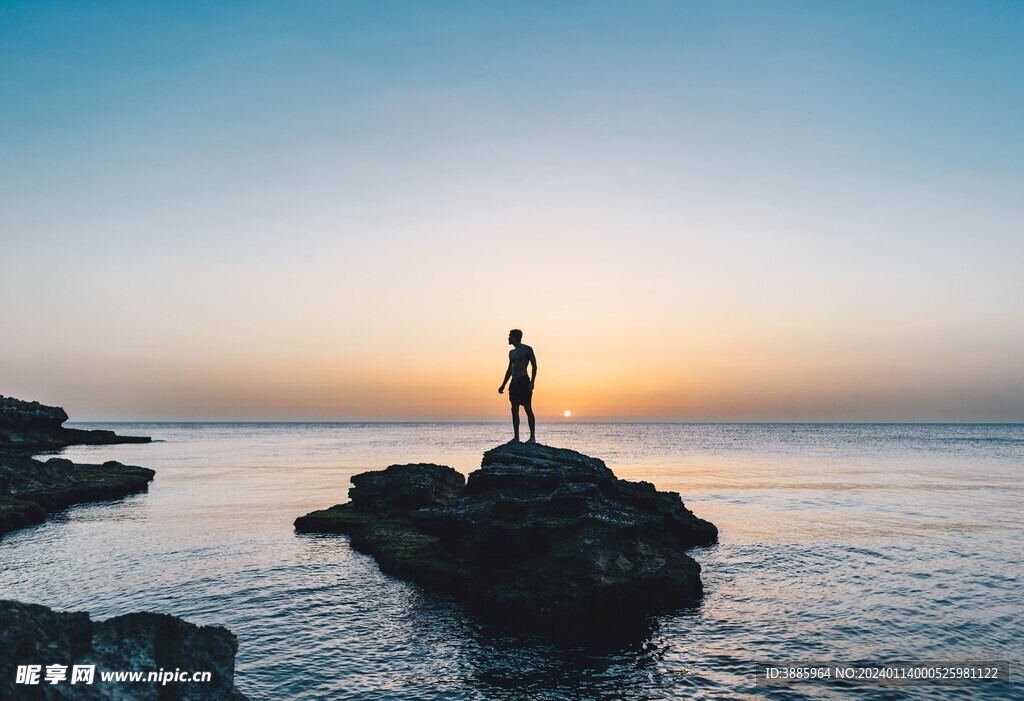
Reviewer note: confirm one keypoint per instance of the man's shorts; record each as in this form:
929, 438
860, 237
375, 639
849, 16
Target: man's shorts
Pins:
520, 391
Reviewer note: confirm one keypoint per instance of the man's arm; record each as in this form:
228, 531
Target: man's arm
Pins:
508, 374
533, 364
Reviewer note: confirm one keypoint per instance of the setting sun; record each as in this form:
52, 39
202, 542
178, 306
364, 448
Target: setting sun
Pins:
567, 413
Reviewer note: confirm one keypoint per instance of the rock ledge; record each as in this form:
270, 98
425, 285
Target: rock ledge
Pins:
34, 426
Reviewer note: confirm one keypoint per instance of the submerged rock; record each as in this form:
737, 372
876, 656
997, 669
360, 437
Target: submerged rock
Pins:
34, 426
136, 642
537, 533
30, 488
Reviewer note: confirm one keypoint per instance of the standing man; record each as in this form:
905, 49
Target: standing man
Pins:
521, 389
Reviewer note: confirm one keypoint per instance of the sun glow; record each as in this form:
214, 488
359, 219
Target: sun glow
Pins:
567, 413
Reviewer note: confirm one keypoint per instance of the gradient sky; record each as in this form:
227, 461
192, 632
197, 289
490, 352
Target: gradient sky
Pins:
694, 210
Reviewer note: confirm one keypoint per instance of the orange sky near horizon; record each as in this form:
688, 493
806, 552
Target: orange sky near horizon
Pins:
606, 365
698, 328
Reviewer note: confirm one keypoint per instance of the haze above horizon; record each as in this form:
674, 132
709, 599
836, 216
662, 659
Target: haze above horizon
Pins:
696, 210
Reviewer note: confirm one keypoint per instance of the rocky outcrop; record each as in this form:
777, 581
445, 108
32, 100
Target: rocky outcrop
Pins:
30, 489
34, 426
537, 533
136, 642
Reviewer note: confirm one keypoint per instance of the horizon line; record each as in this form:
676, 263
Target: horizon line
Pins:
595, 420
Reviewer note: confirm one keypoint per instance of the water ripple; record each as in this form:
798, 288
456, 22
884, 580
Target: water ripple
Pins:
837, 543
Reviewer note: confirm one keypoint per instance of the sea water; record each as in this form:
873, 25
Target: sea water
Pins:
837, 543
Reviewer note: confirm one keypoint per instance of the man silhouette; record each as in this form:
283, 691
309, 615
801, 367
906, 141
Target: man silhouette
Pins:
521, 389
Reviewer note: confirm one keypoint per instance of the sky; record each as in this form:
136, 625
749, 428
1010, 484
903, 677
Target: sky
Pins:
696, 211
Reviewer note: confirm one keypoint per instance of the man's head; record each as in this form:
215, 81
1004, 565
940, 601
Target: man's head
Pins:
515, 336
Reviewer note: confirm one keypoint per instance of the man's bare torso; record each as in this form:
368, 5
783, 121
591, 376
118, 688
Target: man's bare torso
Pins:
519, 359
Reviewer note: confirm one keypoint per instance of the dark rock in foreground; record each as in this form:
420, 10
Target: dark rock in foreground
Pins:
136, 642
538, 533
34, 426
30, 489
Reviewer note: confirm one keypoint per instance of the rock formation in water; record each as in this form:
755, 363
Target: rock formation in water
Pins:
136, 642
34, 426
30, 489
536, 534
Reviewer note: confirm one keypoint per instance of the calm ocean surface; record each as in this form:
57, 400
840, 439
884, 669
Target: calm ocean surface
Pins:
838, 542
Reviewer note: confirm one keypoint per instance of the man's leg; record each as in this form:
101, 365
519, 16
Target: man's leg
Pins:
515, 422
529, 417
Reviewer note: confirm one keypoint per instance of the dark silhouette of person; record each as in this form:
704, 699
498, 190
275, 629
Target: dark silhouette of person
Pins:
520, 392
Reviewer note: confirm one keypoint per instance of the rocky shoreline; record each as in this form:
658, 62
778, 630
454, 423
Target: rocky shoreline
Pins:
135, 642
30, 488
33, 636
537, 534
31, 426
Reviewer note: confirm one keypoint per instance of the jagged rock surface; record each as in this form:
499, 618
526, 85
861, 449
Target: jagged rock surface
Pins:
36, 635
538, 533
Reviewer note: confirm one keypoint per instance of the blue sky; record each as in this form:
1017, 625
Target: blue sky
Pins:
788, 210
